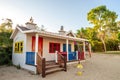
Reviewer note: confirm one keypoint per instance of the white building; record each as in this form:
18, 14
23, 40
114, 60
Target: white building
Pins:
28, 41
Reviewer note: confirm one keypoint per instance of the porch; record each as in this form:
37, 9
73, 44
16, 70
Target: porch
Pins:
47, 47
59, 50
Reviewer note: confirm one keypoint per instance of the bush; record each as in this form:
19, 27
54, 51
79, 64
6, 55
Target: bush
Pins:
112, 45
97, 46
5, 55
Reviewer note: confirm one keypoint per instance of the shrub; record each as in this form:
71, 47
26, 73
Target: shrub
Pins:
97, 46
5, 55
112, 45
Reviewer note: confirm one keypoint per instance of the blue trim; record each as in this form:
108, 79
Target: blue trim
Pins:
30, 58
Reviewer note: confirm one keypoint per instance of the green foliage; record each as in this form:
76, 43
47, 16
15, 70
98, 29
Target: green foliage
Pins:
119, 36
103, 36
97, 47
105, 28
88, 33
112, 45
81, 33
103, 21
5, 42
5, 55
101, 17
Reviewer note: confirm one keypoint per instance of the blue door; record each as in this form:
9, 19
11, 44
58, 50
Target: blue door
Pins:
72, 55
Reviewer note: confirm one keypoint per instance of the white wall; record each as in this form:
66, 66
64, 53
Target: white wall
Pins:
29, 43
20, 58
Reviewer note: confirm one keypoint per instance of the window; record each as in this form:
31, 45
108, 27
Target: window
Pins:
18, 48
54, 47
64, 47
21, 47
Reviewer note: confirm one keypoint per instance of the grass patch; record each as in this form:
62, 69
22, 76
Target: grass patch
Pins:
109, 52
112, 52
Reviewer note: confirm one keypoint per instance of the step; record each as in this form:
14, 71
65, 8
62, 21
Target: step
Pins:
49, 71
50, 63
52, 66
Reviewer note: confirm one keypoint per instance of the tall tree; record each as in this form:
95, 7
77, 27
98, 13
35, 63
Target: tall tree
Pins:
103, 20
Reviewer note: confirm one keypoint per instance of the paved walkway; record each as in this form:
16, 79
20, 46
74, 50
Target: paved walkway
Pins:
99, 67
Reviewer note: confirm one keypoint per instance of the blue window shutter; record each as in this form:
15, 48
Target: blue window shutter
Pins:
69, 47
64, 47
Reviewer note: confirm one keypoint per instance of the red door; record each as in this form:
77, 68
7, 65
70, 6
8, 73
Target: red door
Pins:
40, 45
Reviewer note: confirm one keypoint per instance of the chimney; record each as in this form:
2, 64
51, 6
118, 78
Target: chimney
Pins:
61, 31
31, 24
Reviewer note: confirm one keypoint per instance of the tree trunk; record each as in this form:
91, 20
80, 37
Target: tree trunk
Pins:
104, 45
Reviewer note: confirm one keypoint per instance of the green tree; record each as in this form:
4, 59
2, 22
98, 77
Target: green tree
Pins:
88, 33
5, 32
5, 42
81, 33
6, 26
119, 36
104, 22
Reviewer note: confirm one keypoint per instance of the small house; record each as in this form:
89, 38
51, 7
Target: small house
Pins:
33, 48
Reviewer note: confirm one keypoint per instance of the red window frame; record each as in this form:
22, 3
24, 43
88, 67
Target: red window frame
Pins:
54, 47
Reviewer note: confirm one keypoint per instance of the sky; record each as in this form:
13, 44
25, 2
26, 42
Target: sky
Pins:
72, 14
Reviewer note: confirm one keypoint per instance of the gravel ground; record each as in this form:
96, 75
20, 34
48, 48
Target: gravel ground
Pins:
99, 67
